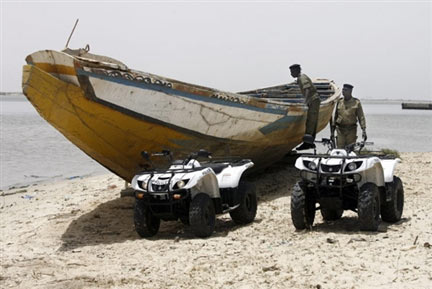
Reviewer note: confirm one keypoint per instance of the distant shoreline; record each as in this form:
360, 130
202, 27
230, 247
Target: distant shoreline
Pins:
10, 93
369, 100
366, 100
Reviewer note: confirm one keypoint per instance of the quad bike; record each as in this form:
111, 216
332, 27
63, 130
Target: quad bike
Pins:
193, 192
342, 180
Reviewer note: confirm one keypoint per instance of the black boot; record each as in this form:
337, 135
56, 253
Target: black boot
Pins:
308, 143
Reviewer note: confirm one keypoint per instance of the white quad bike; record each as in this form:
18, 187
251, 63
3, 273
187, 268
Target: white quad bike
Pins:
344, 180
193, 192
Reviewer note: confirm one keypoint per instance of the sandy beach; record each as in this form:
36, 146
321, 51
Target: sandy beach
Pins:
79, 234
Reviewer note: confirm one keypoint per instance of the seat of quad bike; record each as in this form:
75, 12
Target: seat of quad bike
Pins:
216, 167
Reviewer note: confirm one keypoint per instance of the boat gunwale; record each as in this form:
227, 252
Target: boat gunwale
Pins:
248, 100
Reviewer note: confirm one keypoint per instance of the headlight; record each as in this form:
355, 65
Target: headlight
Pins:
310, 165
180, 184
143, 184
353, 166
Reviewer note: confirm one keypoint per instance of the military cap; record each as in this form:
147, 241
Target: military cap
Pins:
294, 66
349, 86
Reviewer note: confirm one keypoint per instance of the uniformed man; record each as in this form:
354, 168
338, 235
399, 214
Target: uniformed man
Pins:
312, 101
348, 111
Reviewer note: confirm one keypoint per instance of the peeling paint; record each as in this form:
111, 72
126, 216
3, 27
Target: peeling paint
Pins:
114, 114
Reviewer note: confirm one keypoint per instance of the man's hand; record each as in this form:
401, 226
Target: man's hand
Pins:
364, 135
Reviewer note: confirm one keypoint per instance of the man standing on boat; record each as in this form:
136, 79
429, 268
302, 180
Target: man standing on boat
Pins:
312, 101
348, 111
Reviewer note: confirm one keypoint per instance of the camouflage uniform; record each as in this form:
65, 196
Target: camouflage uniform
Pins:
346, 116
312, 100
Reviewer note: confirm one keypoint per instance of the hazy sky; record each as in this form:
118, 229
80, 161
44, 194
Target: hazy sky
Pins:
383, 48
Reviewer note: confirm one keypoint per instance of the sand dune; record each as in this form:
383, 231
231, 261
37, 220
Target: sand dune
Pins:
79, 234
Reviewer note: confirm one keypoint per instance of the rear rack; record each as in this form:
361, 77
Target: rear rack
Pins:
387, 157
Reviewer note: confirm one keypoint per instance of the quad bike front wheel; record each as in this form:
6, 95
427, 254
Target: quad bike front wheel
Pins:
392, 211
146, 224
302, 207
246, 211
202, 216
369, 207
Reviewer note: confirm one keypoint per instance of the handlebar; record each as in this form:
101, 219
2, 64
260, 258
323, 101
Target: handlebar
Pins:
330, 143
324, 141
360, 145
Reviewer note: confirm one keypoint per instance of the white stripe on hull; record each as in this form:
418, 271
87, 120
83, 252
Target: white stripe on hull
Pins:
211, 119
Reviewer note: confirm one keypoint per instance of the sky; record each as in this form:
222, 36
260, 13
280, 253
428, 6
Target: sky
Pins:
383, 48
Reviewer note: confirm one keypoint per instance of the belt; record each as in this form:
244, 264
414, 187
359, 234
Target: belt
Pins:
347, 126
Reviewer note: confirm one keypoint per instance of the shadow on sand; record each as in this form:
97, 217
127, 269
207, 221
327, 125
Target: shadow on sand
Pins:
349, 225
112, 221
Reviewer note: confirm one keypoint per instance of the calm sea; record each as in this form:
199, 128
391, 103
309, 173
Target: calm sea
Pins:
33, 151
390, 126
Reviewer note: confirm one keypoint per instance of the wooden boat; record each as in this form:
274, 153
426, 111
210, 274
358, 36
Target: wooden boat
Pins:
113, 113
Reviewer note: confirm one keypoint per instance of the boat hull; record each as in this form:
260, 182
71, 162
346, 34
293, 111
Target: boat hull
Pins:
113, 121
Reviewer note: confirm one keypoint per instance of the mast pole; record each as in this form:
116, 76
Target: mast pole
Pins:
67, 43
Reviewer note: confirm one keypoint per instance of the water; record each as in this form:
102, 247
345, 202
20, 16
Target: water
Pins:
389, 126
33, 151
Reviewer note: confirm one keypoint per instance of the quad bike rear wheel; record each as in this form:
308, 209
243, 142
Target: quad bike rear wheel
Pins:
302, 207
245, 213
392, 211
369, 207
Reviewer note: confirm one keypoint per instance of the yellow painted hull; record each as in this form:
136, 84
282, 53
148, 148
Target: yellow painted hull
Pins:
115, 139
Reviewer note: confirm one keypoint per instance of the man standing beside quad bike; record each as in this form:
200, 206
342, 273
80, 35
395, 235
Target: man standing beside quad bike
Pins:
347, 112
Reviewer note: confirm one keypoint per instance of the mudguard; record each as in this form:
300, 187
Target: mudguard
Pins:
230, 177
299, 164
372, 172
206, 184
140, 177
389, 167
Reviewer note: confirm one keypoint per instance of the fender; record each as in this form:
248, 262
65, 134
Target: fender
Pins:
141, 177
373, 173
134, 182
389, 167
207, 184
230, 177
299, 163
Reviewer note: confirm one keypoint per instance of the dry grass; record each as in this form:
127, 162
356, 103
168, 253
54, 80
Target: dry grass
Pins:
382, 152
